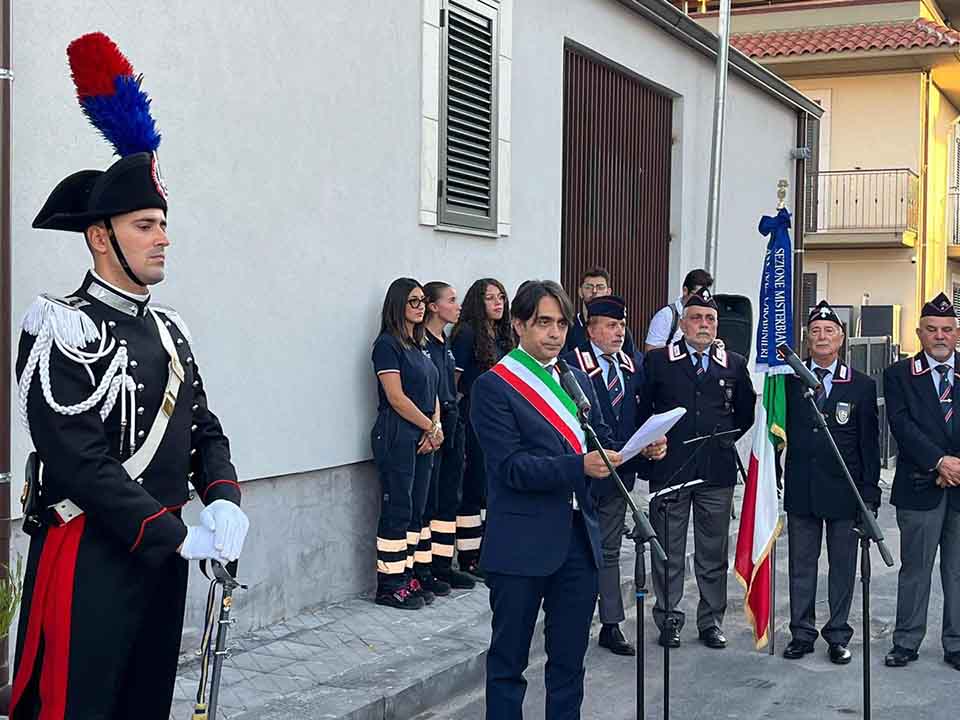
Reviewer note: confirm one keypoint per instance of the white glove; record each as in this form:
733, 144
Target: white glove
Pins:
199, 544
229, 524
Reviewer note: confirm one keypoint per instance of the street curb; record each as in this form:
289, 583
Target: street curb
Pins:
418, 696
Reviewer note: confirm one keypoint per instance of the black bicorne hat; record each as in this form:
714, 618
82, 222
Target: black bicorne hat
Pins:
823, 311
86, 197
112, 99
940, 306
701, 298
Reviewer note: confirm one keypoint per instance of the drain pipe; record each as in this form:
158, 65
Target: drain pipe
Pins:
716, 155
6, 94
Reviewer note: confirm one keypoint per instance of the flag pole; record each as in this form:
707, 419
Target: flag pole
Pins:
771, 621
716, 155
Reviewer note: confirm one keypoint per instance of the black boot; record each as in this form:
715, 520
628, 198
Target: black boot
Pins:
401, 598
456, 579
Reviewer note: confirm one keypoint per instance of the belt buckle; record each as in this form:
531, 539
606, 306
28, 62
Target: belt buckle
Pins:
169, 403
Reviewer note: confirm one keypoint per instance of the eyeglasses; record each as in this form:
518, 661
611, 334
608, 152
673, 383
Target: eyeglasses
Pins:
589, 287
416, 302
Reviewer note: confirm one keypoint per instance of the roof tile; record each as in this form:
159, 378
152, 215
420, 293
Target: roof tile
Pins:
902, 35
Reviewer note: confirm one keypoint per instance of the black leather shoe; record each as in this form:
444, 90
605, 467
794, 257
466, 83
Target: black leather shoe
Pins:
796, 649
952, 659
713, 637
670, 637
613, 640
839, 655
900, 656
456, 579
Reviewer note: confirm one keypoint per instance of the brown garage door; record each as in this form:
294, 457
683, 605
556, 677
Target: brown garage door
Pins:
616, 183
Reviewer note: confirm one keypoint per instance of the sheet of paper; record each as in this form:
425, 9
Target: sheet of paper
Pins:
654, 428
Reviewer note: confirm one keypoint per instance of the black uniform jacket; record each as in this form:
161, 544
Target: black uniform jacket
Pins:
814, 483
81, 453
622, 427
721, 399
922, 435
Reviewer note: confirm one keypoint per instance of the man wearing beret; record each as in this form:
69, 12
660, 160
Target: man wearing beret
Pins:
921, 406
817, 495
618, 378
715, 388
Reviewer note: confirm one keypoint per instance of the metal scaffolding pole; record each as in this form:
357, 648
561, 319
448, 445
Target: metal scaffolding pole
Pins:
716, 156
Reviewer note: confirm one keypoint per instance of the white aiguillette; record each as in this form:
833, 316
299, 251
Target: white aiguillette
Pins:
654, 428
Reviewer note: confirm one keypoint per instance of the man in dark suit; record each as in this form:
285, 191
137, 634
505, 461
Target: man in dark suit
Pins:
617, 379
816, 490
922, 405
594, 283
542, 543
716, 389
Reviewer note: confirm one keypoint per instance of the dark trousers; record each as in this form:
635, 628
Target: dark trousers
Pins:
569, 597
404, 482
711, 529
804, 541
922, 532
611, 511
108, 650
444, 495
474, 498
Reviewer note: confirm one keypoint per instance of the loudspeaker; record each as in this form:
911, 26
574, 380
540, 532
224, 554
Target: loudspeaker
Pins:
879, 320
735, 322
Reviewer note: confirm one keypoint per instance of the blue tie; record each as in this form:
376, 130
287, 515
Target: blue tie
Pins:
614, 386
946, 393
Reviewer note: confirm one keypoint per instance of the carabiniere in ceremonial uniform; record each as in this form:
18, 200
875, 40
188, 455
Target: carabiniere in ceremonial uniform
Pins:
816, 493
110, 391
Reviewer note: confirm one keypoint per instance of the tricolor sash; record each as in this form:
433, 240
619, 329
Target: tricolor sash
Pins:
539, 388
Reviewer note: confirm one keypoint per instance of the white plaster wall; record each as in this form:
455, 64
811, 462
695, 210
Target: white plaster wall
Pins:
292, 152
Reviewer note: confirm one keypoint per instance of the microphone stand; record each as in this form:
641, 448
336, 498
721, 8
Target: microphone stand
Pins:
868, 531
642, 534
668, 494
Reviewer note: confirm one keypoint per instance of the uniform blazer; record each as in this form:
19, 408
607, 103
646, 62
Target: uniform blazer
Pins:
722, 399
632, 369
922, 435
532, 472
814, 483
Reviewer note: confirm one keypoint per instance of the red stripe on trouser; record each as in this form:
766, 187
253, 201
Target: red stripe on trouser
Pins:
51, 606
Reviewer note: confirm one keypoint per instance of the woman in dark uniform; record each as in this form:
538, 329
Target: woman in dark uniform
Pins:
479, 340
446, 480
406, 434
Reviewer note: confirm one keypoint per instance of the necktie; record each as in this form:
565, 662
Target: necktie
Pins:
821, 395
614, 386
946, 393
700, 369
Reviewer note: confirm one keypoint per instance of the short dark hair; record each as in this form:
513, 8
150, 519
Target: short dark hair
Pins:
393, 316
697, 279
595, 271
524, 305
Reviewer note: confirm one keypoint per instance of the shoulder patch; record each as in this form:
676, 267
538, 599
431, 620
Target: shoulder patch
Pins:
720, 353
917, 366
70, 325
174, 317
676, 352
626, 362
844, 374
586, 362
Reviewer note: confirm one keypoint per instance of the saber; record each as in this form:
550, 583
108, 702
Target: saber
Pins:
214, 650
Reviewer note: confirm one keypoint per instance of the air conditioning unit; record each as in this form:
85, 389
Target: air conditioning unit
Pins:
880, 320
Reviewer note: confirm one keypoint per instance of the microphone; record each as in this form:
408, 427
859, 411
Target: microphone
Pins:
570, 384
806, 376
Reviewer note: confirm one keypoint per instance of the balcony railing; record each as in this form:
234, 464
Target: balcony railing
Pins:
862, 201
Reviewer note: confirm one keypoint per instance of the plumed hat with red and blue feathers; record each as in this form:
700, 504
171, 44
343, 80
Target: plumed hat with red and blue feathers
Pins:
114, 102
